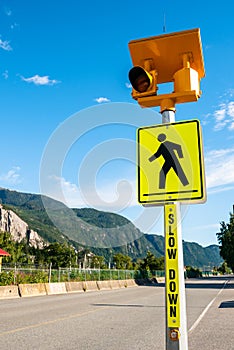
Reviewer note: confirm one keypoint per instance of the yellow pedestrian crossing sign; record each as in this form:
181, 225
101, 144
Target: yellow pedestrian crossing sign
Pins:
170, 163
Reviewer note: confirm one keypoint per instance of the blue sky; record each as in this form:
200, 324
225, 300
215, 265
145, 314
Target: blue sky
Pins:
68, 122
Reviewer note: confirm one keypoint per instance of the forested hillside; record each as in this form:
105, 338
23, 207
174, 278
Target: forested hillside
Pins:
97, 230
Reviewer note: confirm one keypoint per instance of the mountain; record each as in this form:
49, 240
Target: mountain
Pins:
12, 223
104, 233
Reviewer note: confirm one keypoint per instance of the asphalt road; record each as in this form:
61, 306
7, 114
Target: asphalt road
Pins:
130, 318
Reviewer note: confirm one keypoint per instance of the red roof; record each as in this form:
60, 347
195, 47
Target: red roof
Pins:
4, 253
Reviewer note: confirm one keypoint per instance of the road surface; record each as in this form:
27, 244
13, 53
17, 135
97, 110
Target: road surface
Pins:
129, 318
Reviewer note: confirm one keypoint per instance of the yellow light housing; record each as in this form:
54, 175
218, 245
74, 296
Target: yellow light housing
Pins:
143, 82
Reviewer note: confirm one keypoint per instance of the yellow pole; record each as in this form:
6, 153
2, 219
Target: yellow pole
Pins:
176, 318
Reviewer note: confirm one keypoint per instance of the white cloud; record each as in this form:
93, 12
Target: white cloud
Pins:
12, 177
231, 109
5, 45
128, 85
220, 114
8, 11
14, 25
205, 227
224, 116
102, 99
219, 168
38, 80
111, 196
218, 153
64, 191
231, 126
5, 74
218, 189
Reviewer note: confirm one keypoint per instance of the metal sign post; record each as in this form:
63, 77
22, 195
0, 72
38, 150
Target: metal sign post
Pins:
175, 313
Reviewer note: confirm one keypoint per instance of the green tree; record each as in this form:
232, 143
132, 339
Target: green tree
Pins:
192, 272
224, 269
21, 252
122, 261
60, 255
7, 244
98, 262
151, 262
226, 241
39, 257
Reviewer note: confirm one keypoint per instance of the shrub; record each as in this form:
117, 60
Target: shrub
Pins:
6, 278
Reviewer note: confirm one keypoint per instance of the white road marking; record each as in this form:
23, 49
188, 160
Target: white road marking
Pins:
206, 309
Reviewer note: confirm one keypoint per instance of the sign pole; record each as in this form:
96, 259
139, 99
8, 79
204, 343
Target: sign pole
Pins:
184, 69
175, 315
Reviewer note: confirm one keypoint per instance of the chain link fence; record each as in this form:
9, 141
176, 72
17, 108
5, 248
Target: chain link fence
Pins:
27, 274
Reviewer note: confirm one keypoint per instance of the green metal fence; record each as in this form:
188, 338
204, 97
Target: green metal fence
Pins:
27, 274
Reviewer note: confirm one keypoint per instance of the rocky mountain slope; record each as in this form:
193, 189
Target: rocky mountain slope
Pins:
19, 230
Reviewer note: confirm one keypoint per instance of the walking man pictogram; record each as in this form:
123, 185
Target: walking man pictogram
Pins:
168, 150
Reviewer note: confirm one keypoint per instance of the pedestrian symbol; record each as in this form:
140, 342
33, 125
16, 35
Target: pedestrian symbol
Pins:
170, 163
168, 151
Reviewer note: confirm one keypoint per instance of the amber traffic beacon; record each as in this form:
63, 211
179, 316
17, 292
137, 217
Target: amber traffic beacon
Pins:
169, 58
